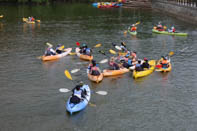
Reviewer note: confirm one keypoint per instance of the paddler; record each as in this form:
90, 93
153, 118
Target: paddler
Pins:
50, 51
138, 66
78, 93
93, 68
113, 65
159, 27
172, 30
145, 63
164, 62
58, 49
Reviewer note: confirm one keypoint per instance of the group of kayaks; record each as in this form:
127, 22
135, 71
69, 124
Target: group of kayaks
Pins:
169, 33
106, 4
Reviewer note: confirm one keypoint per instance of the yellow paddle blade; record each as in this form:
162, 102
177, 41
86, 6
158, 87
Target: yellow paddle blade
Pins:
137, 23
1, 16
38, 21
171, 53
67, 74
49, 44
72, 53
39, 57
61, 47
164, 27
25, 19
97, 45
112, 51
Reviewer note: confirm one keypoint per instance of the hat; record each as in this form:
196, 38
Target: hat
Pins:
84, 44
81, 83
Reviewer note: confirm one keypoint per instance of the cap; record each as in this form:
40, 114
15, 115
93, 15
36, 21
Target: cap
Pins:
145, 58
81, 83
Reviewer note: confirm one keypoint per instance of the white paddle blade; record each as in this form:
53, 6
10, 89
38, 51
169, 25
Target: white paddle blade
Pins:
64, 90
75, 70
132, 68
103, 61
118, 47
101, 93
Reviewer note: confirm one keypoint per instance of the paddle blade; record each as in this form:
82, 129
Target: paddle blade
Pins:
103, 61
112, 51
38, 21
137, 23
102, 52
97, 45
64, 90
67, 74
125, 31
49, 44
171, 53
101, 93
74, 70
164, 27
72, 53
1, 16
39, 57
77, 43
91, 104
118, 47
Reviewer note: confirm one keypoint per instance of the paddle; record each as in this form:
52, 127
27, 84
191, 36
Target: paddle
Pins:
117, 47
1, 16
112, 52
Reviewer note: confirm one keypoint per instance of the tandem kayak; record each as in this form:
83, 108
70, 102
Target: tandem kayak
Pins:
132, 32
164, 69
83, 57
138, 74
96, 79
115, 72
71, 107
169, 33
55, 57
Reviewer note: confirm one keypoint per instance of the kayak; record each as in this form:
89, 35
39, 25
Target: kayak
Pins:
115, 72
96, 79
169, 33
29, 22
132, 33
71, 107
138, 74
83, 57
164, 69
55, 57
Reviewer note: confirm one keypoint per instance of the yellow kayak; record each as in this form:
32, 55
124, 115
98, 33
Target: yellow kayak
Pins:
115, 72
164, 69
96, 79
138, 74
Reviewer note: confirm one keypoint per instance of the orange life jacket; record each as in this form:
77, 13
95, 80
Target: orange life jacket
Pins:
164, 61
133, 28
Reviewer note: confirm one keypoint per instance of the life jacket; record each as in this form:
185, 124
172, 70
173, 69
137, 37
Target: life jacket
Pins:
88, 51
164, 61
173, 30
32, 19
95, 71
78, 93
133, 28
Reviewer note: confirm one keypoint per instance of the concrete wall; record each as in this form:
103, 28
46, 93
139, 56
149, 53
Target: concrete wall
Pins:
182, 12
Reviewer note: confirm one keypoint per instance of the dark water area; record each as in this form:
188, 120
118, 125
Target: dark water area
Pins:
29, 88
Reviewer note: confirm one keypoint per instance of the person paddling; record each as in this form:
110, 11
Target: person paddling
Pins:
93, 68
58, 49
164, 62
172, 30
159, 27
145, 63
78, 93
113, 65
138, 66
50, 51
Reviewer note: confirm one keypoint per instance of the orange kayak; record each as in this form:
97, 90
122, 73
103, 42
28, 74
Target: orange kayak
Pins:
83, 57
55, 57
115, 72
96, 79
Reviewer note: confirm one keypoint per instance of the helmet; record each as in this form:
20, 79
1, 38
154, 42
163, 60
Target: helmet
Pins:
133, 25
145, 58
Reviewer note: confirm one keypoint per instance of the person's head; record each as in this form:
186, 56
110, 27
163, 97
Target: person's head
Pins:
84, 45
59, 45
159, 22
78, 87
81, 83
139, 62
172, 27
132, 25
112, 59
93, 62
123, 44
145, 59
